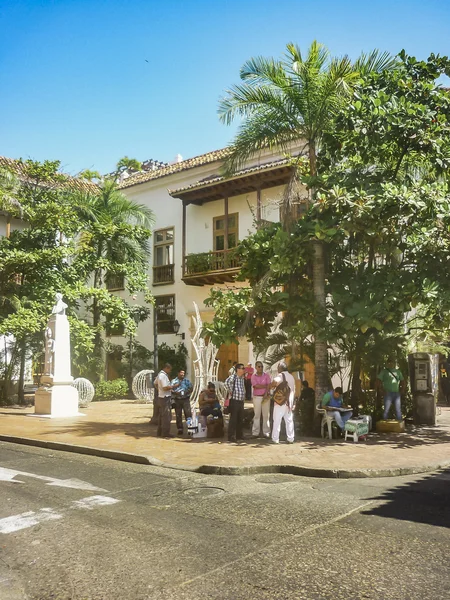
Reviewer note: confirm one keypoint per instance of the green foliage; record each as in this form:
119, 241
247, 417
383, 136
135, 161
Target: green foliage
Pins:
176, 356
89, 175
142, 358
199, 263
281, 102
111, 390
72, 239
127, 163
380, 211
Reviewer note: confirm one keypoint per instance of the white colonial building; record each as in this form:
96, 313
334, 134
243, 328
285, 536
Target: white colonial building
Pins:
200, 217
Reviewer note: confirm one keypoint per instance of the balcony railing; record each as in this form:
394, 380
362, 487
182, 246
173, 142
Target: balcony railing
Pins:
163, 274
210, 267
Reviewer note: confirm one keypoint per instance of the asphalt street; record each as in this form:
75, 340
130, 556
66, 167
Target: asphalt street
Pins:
85, 528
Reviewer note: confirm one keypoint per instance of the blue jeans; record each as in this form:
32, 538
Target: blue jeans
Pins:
389, 398
341, 418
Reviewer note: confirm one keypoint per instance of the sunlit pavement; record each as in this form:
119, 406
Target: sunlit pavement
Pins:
123, 427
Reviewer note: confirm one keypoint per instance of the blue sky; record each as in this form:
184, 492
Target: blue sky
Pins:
76, 84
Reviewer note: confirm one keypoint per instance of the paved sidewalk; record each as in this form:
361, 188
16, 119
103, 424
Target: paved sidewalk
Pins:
121, 430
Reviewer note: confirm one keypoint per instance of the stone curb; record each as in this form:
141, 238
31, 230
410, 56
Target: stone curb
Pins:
229, 470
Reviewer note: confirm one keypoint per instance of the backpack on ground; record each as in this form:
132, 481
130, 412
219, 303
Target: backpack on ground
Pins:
282, 392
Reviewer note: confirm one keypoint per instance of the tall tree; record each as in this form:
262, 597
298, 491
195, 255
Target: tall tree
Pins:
34, 259
384, 204
113, 242
284, 101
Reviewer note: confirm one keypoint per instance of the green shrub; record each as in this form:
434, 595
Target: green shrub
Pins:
111, 390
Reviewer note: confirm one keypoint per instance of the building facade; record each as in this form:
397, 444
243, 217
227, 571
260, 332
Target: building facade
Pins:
200, 217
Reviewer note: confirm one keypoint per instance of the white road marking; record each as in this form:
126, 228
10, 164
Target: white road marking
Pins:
32, 518
76, 484
92, 501
27, 519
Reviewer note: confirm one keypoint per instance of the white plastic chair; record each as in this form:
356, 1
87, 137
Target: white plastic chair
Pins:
327, 420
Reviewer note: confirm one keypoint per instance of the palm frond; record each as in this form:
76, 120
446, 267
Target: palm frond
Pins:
244, 99
263, 71
375, 61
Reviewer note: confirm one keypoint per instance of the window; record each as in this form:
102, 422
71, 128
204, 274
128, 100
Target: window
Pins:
163, 263
219, 232
165, 313
114, 282
299, 209
163, 247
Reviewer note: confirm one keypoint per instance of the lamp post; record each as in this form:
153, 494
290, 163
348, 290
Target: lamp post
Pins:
155, 340
137, 319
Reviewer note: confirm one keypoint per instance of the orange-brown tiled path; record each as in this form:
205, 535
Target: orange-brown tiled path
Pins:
122, 426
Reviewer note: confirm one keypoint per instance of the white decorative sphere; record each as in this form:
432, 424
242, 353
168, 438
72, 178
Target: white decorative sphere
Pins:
86, 390
141, 386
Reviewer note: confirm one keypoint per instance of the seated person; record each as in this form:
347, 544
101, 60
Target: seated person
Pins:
209, 403
331, 401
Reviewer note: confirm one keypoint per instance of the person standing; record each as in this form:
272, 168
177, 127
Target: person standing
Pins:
391, 381
306, 407
445, 381
284, 410
249, 370
164, 389
182, 399
236, 388
261, 400
232, 368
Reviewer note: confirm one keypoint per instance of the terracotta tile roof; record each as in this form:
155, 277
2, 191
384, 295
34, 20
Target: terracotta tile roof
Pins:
213, 179
16, 166
184, 165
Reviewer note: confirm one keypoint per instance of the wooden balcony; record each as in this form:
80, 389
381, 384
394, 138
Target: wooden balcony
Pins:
208, 268
163, 274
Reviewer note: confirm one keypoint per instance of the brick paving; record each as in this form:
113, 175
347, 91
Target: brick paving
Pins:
123, 426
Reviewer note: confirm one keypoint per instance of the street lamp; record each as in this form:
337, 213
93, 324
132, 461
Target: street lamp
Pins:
176, 329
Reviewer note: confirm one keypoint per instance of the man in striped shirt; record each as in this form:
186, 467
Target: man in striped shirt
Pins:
236, 388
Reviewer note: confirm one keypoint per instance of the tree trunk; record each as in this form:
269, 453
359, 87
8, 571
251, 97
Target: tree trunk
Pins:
321, 348
356, 383
20, 391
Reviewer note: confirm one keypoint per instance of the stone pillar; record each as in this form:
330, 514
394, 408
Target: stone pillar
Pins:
57, 397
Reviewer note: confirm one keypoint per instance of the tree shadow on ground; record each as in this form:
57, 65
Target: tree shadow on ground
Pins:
423, 501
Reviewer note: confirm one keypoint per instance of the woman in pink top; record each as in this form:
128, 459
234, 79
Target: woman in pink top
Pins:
261, 400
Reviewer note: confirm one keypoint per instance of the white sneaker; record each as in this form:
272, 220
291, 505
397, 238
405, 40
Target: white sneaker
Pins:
290, 441
275, 441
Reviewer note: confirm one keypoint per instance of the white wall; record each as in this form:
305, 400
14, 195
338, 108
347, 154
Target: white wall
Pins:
15, 224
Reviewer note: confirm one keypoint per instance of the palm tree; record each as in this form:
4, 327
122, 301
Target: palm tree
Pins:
285, 101
104, 213
89, 175
127, 164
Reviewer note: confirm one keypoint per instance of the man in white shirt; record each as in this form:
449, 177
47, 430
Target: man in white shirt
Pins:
164, 390
284, 411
